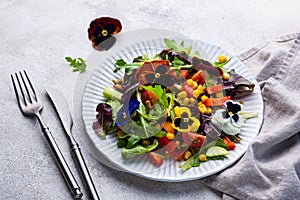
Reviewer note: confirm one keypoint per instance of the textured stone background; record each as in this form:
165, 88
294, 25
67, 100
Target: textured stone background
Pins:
37, 35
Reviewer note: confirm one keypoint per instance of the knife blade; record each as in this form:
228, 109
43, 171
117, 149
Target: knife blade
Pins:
65, 117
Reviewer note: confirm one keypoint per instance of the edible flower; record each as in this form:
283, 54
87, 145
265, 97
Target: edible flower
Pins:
231, 119
124, 114
184, 122
158, 71
233, 108
101, 32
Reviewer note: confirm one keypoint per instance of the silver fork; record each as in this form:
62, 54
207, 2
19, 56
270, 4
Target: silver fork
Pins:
30, 105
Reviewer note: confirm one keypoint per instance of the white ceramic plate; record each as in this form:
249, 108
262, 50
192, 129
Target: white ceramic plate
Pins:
170, 170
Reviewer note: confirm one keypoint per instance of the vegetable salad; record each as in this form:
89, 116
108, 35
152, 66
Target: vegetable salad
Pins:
175, 105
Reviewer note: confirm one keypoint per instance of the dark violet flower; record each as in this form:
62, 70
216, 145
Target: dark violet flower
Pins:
124, 114
101, 32
158, 71
233, 108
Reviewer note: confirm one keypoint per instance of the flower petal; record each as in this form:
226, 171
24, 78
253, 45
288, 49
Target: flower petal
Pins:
165, 80
233, 107
180, 110
194, 124
101, 30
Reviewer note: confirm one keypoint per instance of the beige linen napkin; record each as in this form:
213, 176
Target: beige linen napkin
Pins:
270, 169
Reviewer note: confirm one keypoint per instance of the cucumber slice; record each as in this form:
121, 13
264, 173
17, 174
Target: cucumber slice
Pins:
216, 151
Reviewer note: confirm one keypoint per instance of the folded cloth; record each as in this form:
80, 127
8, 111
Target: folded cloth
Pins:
270, 168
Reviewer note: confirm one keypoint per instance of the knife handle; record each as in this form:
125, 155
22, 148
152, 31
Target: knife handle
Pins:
63, 166
79, 160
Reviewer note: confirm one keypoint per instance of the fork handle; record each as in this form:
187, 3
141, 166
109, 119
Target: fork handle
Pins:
63, 166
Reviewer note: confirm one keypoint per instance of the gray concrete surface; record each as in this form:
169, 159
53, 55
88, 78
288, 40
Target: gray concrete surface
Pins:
37, 35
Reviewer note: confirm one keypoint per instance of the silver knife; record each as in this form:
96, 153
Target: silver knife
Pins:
65, 117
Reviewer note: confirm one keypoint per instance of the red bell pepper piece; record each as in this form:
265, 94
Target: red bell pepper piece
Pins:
216, 101
214, 89
230, 144
199, 77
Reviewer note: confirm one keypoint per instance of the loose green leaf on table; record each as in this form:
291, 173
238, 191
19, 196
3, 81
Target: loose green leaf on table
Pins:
78, 64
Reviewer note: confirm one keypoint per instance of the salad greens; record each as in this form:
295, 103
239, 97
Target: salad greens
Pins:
175, 105
78, 64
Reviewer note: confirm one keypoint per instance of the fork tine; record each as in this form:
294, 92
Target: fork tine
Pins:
31, 86
15, 88
25, 83
21, 87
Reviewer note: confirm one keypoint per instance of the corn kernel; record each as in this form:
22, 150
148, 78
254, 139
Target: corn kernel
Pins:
170, 136
186, 101
190, 82
177, 142
208, 110
141, 88
197, 93
202, 108
226, 76
204, 97
202, 157
195, 85
120, 133
200, 87
222, 59
146, 142
187, 155
182, 95
148, 104
192, 101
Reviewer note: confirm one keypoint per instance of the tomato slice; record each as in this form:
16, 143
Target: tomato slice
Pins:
193, 139
184, 73
168, 145
156, 159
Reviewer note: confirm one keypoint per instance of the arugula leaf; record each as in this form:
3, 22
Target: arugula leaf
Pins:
220, 65
172, 44
138, 150
155, 113
160, 93
128, 67
160, 134
194, 160
78, 64
133, 139
177, 62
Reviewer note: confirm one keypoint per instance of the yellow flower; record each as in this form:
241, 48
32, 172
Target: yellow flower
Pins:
184, 122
